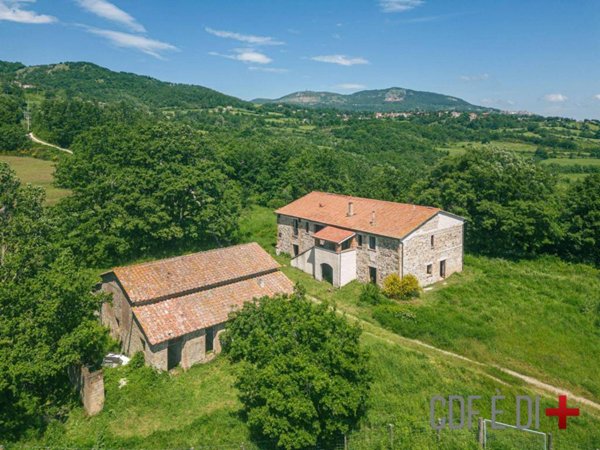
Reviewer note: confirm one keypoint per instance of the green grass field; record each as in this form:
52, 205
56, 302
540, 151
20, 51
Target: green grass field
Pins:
594, 162
458, 148
37, 172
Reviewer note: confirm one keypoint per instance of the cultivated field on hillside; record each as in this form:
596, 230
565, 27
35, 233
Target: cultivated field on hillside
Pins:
37, 172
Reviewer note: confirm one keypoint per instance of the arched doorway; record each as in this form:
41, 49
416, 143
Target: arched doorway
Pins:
327, 273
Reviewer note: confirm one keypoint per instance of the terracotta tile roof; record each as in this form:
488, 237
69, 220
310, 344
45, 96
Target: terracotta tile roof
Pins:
391, 219
333, 234
175, 317
188, 273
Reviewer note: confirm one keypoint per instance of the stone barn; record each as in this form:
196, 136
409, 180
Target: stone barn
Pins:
339, 238
173, 310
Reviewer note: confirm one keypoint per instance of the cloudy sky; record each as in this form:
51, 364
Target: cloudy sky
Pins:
540, 56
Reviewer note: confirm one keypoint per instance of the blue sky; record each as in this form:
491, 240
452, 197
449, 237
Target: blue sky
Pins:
540, 56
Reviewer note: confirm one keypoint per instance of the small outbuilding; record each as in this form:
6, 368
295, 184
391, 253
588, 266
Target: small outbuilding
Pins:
173, 310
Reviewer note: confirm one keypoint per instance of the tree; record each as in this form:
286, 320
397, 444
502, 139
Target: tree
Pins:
581, 219
508, 201
48, 320
303, 377
139, 190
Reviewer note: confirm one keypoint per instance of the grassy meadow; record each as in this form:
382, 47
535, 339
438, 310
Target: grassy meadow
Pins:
38, 172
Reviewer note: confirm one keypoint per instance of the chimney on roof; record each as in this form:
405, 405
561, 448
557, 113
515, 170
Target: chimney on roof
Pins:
373, 217
350, 209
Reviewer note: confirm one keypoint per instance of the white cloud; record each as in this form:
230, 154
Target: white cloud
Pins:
555, 98
480, 77
247, 38
106, 10
125, 40
597, 96
497, 102
350, 86
393, 6
12, 11
342, 60
268, 69
246, 55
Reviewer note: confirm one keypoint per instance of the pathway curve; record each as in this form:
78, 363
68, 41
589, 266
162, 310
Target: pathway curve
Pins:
39, 141
396, 339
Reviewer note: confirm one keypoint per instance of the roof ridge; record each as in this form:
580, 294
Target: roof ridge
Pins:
373, 199
175, 258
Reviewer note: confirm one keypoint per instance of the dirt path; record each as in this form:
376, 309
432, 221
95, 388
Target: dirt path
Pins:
396, 339
39, 141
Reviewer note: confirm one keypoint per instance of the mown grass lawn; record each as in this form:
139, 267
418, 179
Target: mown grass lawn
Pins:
38, 172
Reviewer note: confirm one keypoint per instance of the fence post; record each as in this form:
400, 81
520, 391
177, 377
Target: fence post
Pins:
480, 429
550, 444
391, 427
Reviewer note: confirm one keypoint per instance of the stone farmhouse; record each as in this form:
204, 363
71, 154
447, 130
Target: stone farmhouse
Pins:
339, 238
174, 309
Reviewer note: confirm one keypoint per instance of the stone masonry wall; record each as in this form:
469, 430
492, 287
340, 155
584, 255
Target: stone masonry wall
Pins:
92, 390
448, 246
286, 238
386, 258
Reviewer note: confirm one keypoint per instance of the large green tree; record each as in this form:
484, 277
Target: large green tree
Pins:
581, 218
47, 312
508, 200
138, 190
303, 378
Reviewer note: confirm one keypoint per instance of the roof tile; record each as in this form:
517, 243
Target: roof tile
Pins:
390, 219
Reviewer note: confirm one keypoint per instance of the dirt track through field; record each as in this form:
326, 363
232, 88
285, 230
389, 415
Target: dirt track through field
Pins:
415, 344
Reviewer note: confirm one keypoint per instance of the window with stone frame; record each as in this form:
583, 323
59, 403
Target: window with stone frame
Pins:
346, 244
429, 269
295, 227
432, 241
359, 240
307, 227
372, 242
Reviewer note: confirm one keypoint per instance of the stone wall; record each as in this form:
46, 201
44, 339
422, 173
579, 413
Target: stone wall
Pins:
447, 246
286, 239
386, 258
90, 385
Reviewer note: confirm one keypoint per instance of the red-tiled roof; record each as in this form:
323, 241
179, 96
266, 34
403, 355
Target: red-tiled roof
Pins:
333, 234
390, 219
175, 317
189, 273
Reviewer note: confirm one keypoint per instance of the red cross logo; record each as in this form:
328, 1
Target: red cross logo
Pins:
562, 412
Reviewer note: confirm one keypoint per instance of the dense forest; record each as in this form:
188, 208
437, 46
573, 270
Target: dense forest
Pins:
162, 169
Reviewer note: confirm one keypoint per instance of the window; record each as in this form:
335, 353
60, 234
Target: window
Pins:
307, 227
372, 242
429, 269
318, 228
443, 268
208, 339
296, 250
372, 274
346, 244
359, 240
295, 227
432, 241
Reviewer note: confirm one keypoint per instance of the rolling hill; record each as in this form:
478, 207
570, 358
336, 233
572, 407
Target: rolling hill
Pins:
381, 100
91, 82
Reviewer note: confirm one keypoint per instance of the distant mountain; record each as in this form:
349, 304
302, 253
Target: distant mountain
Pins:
379, 100
90, 81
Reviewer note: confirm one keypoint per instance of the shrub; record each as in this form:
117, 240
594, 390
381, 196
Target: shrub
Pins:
137, 360
401, 288
371, 294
